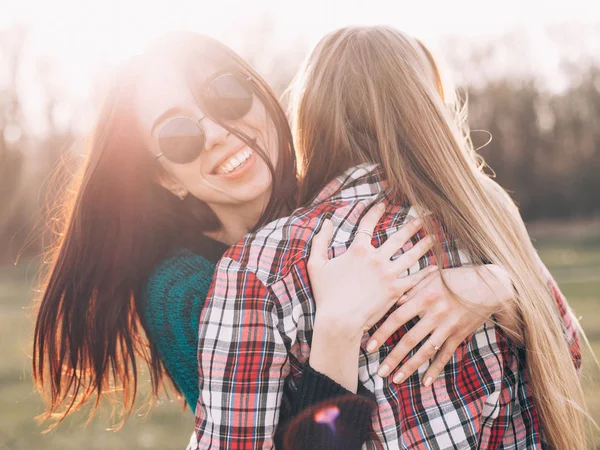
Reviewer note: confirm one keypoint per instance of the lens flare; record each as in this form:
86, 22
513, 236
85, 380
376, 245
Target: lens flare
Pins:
327, 416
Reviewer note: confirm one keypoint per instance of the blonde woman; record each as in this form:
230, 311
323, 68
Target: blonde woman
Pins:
370, 123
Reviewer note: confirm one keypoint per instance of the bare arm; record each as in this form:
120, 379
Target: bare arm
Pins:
354, 290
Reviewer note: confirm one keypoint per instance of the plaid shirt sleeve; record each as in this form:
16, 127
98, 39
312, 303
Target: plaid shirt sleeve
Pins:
517, 421
568, 317
242, 362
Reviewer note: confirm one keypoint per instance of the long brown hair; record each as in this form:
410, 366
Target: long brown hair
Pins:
374, 95
117, 224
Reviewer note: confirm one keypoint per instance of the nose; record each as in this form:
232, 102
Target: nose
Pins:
214, 133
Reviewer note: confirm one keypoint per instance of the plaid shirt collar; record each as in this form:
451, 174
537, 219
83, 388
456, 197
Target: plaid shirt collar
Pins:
363, 174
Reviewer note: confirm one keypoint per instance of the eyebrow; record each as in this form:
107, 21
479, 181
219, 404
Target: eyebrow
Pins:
174, 111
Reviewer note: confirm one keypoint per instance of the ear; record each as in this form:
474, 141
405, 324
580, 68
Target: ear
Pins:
171, 184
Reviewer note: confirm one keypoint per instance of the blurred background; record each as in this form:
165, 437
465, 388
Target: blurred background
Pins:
531, 70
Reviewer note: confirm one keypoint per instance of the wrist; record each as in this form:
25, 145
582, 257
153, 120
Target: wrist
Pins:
338, 329
501, 283
334, 351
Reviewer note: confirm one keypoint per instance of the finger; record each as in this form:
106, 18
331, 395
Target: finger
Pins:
441, 359
427, 351
419, 289
408, 283
397, 240
394, 321
410, 340
368, 224
397, 290
412, 256
320, 244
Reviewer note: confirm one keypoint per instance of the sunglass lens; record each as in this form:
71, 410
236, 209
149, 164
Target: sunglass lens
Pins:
229, 97
181, 140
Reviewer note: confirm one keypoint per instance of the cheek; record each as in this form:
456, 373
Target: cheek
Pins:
202, 189
191, 177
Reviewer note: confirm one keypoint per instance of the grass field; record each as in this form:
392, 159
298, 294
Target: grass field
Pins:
571, 253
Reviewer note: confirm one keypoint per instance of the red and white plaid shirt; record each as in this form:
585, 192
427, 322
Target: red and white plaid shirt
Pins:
255, 337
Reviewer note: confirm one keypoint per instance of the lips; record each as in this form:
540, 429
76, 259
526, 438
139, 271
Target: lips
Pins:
230, 155
234, 162
226, 157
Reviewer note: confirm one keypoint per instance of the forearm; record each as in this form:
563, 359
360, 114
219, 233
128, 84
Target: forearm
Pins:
334, 351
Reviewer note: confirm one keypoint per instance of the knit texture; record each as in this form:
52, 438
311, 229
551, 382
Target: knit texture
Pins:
317, 398
175, 294
340, 423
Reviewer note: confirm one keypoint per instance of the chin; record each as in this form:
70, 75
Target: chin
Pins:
253, 193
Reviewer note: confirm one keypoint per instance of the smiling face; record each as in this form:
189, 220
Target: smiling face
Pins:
226, 171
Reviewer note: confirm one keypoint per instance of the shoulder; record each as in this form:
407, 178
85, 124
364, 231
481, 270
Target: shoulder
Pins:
181, 271
175, 293
272, 250
503, 202
499, 196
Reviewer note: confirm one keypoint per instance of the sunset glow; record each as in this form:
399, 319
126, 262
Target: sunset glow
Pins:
83, 36
74, 45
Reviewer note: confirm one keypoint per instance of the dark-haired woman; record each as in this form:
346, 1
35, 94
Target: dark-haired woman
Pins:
190, 152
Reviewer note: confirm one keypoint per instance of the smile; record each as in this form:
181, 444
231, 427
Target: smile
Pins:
235, 162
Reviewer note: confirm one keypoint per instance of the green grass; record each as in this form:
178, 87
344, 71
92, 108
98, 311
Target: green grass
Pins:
166, 427
573, 258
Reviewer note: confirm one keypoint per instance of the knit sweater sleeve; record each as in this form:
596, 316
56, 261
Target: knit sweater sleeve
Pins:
175, 294
325, 415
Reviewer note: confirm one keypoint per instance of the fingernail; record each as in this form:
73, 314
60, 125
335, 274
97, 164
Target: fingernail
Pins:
383, 370
381, 205
371, 345
399, 377
427, 381
403, 298
418, 222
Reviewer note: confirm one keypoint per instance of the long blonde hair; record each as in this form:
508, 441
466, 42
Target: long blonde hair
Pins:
375, 95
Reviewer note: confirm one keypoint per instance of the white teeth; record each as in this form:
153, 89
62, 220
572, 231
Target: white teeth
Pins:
235, 161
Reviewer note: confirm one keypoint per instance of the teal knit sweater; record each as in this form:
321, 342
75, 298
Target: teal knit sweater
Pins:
174, 296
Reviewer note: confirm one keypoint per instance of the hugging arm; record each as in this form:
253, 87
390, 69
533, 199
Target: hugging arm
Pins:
242, 361
354, 290
373, 288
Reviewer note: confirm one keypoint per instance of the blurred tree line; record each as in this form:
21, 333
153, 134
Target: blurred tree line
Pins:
545, 145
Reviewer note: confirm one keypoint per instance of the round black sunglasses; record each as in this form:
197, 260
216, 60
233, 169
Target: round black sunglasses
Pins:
227, 96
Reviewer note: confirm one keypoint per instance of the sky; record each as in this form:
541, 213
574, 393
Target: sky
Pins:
81, 38
91, 33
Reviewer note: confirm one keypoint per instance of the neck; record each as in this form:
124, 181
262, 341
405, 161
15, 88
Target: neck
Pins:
237, 220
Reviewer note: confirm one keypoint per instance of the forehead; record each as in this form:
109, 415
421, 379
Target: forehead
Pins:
162, 87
